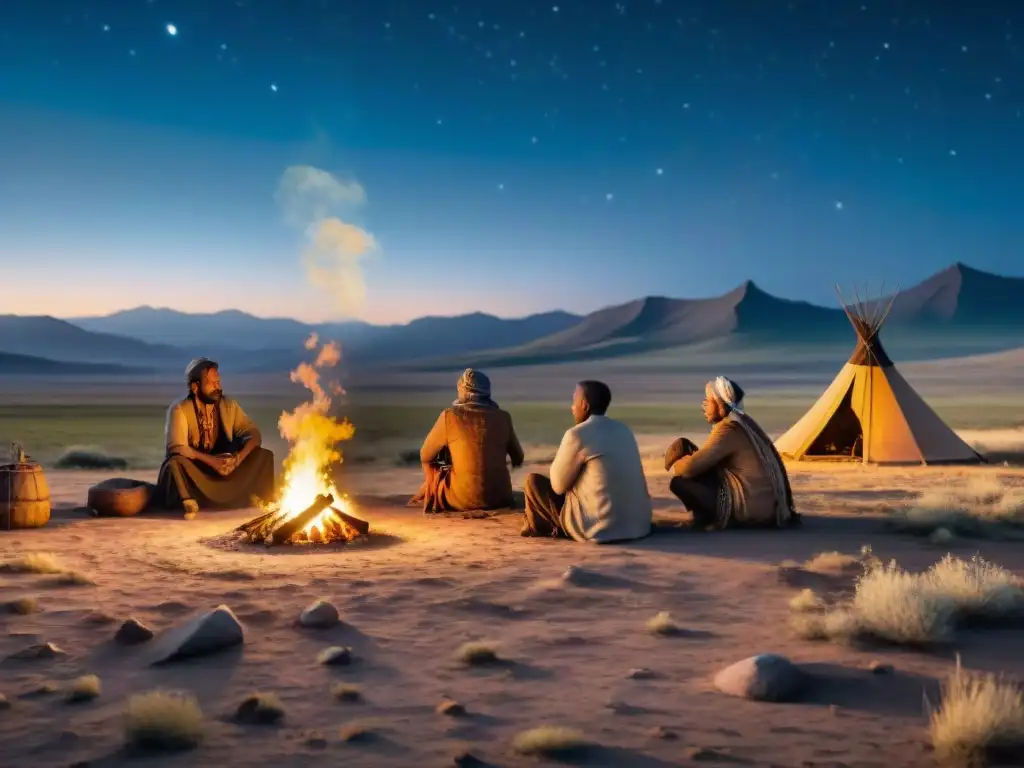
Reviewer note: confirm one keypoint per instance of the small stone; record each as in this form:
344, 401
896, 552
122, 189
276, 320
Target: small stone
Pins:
766, 677
259, 709
704, 755
316, 742
641, 673
878, 668
335, 656
133, 632
41, 651
208, 633
320, 615
467, 759
660, 732
450, 708
4, 703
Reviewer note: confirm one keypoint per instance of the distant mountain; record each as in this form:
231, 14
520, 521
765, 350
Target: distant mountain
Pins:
26, 365
59, 340
658, 322
958, 311
230, 328
279, 341
962, 296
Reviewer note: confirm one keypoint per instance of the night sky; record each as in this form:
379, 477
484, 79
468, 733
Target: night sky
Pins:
514, 156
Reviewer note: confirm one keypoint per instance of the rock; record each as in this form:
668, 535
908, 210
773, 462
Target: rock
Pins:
41, 651
941, 537
320, 615
661, 732
205, 634
466, 759
703, 755
767, 677
335, 656
133, 632
878, 668
450, 708
4, 703
259, 709
641, 673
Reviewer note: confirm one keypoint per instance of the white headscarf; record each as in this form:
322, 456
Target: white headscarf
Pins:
723, 389
198, 362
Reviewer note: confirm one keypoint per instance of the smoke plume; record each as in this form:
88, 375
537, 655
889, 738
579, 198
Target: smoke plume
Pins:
319, 203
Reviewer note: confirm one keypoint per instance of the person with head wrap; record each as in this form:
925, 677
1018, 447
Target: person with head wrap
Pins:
464, 455
736, 478
597, 491
214, 452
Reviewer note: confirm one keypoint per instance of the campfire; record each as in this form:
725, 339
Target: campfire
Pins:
309, 508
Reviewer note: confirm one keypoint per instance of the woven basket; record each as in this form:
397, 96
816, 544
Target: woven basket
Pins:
119, 497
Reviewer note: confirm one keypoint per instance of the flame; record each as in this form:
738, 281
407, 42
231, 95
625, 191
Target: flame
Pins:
313, 435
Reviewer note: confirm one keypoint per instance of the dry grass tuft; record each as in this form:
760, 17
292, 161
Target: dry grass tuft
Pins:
662, 624
549, 741
73, 579
357, 732
84, 688
33, 562
806, 601
980, 717
163, 721
260, 709
982, 507
23, 606
89, 457
832, 562
478, 653
346, 692
893, 605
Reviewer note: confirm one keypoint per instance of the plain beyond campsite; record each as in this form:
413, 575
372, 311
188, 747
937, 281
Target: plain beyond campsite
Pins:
449, 638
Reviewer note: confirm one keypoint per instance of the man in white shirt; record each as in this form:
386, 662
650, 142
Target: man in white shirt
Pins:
597, 491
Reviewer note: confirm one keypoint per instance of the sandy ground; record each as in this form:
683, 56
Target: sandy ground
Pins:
423, 586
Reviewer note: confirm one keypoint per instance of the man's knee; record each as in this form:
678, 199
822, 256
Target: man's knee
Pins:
177, 460
534, 484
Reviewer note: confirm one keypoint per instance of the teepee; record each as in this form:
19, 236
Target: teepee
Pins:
869, 412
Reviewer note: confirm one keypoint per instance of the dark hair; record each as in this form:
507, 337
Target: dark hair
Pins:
597, 394
739, 392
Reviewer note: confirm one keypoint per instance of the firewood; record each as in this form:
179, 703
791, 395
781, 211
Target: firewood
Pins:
288, 528
361, 526
253, 524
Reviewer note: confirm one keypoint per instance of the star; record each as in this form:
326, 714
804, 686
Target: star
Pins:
501, 187
273, 87
988, 97
554, 9
609, 196
659, 171
223, 46
533, 139
886, 46
131, 51
172, 30
106, 27
952, 153
839, 205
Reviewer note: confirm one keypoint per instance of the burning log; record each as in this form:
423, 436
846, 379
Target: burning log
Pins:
360, 526
290, 527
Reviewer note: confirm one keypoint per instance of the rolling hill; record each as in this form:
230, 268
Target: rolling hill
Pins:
59, 340
26, 365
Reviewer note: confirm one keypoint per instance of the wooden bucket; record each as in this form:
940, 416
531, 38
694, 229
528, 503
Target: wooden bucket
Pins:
24, 496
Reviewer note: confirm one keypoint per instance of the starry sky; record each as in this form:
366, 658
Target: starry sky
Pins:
510, 157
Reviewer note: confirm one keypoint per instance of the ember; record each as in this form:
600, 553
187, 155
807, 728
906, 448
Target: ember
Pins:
309, 507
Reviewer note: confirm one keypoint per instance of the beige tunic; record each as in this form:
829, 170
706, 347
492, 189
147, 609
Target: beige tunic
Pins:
183, 430
478, 441
729, 454
599, 470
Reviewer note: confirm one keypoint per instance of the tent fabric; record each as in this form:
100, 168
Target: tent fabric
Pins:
870, 413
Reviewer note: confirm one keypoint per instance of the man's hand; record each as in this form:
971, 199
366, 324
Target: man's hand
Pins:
225, 463
679, 449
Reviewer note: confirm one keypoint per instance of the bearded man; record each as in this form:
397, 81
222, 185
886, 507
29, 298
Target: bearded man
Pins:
214, 450
737, 478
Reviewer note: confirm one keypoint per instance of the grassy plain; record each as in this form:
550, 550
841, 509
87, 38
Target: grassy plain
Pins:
392, 412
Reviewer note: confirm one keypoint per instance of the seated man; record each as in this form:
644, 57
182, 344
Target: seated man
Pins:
597, 491
214, 454
737, 477
463, 457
